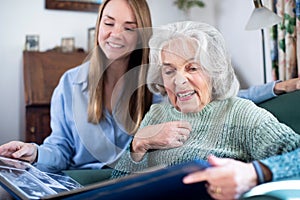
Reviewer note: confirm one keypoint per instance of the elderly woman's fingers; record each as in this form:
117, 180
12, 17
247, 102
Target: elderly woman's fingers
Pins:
221, 193
184, 124
195, 177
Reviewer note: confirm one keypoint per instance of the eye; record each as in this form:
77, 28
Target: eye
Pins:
130, 29
167, 70
108, 23
192, 67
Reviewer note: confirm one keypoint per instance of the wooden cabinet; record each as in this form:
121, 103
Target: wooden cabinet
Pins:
37, 123
42, 71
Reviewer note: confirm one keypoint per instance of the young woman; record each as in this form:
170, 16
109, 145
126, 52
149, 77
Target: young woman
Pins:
95, 108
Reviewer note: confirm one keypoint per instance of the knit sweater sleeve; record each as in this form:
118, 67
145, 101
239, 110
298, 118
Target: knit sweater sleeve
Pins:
272, 138
284, 166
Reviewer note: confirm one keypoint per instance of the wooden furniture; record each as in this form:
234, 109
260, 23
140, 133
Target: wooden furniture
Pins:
42, 71
87, 6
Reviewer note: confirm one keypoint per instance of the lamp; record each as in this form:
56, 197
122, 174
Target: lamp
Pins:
261, 18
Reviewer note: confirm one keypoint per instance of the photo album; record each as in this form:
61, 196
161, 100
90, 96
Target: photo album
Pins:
24, 181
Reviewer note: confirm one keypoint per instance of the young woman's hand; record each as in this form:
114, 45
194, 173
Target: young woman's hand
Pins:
287, 86
19, 150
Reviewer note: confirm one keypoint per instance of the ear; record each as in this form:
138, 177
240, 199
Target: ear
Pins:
161, 89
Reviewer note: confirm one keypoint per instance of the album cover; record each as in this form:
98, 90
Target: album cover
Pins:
24, 181
162, 183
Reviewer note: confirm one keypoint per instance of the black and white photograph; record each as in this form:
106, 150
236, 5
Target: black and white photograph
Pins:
91, 38
25, 182
32, 43
30, 182
67, 44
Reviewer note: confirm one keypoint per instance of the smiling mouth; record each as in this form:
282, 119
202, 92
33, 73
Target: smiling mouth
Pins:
114, 45
185, 95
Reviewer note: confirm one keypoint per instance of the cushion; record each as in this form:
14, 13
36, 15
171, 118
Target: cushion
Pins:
89, 176
286, 108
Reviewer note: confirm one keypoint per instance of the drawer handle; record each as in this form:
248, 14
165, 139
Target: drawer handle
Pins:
32, 129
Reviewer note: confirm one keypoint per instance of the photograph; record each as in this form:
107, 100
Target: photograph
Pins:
67, 45
74, 5
91, 38
29, 181
32, 43
26, 183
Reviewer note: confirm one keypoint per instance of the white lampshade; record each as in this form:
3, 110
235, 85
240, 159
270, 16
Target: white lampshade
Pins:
262, 17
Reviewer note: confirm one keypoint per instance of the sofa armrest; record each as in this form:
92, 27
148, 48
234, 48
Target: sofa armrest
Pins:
286, 108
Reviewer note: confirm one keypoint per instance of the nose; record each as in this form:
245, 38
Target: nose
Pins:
180, 79
116, 31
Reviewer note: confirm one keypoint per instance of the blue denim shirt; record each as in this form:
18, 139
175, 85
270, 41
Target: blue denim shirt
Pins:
259, 93
74, 143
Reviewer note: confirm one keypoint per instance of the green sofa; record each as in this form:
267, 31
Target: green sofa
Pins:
286, 108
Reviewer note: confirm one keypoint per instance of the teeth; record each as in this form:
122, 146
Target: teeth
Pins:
115, 45
185, 94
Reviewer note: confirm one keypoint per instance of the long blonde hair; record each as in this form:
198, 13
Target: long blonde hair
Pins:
135, 107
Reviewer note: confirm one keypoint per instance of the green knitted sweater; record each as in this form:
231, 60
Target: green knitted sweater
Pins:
233, 128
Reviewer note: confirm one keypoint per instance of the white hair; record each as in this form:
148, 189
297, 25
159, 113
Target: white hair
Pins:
211, 52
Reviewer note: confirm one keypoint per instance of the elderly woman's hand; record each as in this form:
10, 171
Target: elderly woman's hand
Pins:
161, 136
227, 179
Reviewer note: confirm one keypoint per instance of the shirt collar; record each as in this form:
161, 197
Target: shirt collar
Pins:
82, 75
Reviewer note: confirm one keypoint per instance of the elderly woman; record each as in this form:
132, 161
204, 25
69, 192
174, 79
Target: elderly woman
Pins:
190, 64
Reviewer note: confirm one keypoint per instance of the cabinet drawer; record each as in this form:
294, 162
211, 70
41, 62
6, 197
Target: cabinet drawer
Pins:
37, 123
